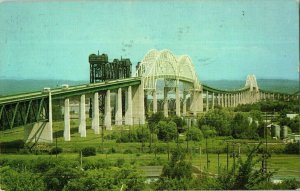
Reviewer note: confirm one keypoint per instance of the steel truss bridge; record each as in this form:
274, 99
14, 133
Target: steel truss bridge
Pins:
160, 73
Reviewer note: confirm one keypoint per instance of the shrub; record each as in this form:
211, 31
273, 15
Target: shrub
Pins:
292, 148
88, 151
12, 145
55, 150
120, 162
127, 151
194, 134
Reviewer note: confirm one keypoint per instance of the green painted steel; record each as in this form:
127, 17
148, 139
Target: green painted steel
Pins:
27, 108
215, 90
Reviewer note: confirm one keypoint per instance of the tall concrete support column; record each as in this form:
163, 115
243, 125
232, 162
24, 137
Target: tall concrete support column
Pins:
207, 100
219, 99
213, 100
196, 102
118, 117
95, 118
225, 100
138, 105
50, 119
154, 101
222, 100
200, 102
166, 103
107, 113
184, 104
82, 122
177, 101
67, 135
128, 105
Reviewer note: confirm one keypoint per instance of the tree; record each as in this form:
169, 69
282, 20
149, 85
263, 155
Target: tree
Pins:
208, 131
20, 181
194, 134
219, 119
177, 174
56, 178
154, 119
142, 134
246, 176
167, 131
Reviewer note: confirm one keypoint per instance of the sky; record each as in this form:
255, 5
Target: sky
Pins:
225, 39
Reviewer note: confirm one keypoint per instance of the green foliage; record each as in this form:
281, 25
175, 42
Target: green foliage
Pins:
246, 176
20, 180
292, 148
219, 119
177, 174
56, 178
154, 119
178, 167
127, 137
194, 134
179, 123
120, 162
55, 150
88, 151
167, 131
12, 145
241, 127
208, 131
142, 134
166, 183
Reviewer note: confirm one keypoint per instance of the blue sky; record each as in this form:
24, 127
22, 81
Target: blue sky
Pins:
225, 39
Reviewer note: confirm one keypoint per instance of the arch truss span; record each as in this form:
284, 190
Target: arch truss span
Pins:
251, 83
165, 65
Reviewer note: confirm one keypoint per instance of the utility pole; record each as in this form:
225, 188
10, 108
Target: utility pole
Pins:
227, 160
218, 163
207, 161
56, 144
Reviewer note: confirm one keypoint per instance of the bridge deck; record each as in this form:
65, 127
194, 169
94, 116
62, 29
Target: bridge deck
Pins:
59, 93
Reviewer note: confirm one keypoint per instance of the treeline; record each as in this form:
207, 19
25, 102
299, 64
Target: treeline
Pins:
63, 174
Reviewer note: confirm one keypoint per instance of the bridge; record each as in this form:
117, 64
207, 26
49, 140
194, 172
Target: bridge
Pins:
163, 82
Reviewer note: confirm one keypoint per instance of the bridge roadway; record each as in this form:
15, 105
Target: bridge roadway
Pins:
61, 93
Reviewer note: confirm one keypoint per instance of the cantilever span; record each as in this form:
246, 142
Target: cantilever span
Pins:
182, 95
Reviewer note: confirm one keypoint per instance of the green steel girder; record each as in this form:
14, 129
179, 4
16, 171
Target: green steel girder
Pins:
210, 89
22, 113
27, 112
14, 115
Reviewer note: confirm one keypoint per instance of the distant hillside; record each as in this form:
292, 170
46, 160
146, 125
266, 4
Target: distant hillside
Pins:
276, 85
8, 87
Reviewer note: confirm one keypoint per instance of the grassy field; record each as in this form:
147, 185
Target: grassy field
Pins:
133, 153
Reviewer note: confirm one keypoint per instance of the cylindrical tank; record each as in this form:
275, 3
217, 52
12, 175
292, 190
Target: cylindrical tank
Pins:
284, 132
275, 131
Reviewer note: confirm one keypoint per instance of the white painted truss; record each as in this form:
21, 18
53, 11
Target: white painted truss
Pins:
165, 65
251, 82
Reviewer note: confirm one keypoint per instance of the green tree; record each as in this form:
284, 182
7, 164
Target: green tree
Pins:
246, 176
219, 119
20, 181
142, 134
177, 174
56, 178
154, 119
194, 134
208, 131
167, 131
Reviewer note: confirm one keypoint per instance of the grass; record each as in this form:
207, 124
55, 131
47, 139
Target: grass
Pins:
285, 165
